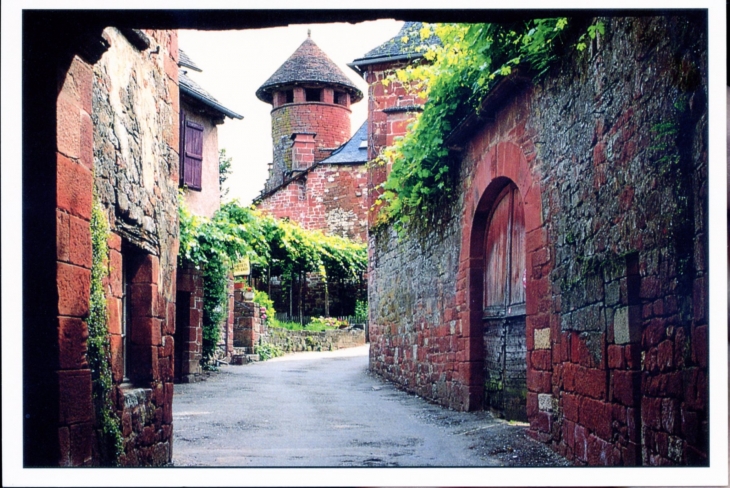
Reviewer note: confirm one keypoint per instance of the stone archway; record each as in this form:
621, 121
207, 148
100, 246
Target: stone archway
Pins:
502, 326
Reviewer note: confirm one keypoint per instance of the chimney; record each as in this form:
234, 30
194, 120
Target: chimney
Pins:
302, 150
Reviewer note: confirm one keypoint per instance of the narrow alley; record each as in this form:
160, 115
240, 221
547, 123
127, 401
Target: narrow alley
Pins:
325, 410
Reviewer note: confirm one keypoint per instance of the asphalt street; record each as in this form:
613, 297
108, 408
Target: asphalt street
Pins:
323, 409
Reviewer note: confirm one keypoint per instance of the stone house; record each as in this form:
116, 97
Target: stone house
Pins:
111, 126
567, 282
116, 138
200, 114
318, 176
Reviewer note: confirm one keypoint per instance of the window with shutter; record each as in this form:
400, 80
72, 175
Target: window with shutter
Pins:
505, 271
191, 154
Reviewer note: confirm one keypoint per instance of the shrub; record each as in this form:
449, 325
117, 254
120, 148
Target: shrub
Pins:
267, 351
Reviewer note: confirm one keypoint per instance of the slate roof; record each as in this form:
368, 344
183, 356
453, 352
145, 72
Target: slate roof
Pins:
353, 151
395, 48
308, 64
186, 62
192, 89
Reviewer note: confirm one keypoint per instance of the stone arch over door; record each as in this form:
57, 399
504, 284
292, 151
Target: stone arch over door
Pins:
502, 172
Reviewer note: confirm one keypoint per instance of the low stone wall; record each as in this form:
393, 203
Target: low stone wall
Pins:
305, 340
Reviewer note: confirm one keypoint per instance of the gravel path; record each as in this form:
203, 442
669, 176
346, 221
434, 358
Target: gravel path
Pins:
326, 410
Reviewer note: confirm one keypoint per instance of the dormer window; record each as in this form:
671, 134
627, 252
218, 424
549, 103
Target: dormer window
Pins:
313, 94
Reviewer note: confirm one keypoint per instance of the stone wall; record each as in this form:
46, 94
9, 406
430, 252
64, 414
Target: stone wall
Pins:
609, 154
331, 198
328, 121
305, 340
135, 147
188, 324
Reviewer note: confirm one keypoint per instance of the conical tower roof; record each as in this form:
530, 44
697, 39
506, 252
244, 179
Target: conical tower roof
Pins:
308, 64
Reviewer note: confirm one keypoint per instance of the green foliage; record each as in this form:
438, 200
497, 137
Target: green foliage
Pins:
324, 323
262, 298
268, 351
285, 248
224, 171
215, 287
111, 443
316, 325
455, 78
361, 311
591, 32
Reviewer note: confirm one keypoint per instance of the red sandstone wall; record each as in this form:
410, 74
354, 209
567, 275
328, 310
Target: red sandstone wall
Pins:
331, 198
147, 436
330, 123
616, 325
390, 110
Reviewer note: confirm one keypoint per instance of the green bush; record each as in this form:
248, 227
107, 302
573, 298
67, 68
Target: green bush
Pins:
325, 323
361, 311
268, 351
262, 298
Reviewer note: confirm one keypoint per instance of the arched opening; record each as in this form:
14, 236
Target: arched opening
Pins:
498, 283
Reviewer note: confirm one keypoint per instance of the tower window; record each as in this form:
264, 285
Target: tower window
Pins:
289, 96
341, 98
313, 94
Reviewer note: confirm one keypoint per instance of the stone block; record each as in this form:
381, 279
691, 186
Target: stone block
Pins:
74, 287
72, 335
545, 402
68, 125
74, 394
591, 382
143, 300
145, 331
115, 273
81, 437
63, 225
542, 339
80, 242
597, 417
86, 141
625, 386
626, 328
74, 187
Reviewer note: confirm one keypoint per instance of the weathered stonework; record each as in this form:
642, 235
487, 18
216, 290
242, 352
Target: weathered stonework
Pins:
135, 145
331, 198
616, 254
304, 340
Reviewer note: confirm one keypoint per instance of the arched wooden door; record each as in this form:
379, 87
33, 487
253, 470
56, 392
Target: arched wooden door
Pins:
505, 276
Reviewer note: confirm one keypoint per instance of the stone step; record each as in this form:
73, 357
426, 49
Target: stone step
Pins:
244, 358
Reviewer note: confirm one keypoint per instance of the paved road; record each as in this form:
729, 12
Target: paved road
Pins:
325, 410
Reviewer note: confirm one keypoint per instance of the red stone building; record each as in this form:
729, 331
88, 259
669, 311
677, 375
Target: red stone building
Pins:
567, 284
315, 179
318, 176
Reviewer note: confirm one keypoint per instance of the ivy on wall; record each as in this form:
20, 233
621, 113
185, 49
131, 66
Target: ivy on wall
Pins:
280, 247
455, 76
111, 443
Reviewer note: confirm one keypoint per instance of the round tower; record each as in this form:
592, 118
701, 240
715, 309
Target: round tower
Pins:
310, 118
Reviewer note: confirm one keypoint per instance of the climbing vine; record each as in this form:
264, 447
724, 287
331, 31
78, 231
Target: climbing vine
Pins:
455, 76
280, 247
111, 443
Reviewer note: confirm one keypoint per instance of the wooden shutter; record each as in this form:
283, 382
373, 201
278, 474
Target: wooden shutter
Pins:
191, 171
504, 291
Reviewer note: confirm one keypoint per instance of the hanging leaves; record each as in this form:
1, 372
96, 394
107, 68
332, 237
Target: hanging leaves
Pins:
455, 76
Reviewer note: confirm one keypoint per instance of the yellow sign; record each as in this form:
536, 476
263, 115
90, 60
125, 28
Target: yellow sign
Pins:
242, 268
